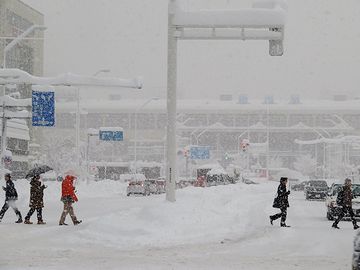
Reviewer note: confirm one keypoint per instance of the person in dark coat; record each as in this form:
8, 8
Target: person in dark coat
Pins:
36, 200
344, 200
10, 198
282, 202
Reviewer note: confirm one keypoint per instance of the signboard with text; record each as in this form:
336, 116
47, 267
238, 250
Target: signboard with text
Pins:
200, 152
43, 109
111, 134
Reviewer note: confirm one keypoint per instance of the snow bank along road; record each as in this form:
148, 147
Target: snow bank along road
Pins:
224, 227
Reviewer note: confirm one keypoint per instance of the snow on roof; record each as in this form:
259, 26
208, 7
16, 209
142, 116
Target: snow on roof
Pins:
18, 129
344, 139
111, 129
217, 171
17, 76
211, 106
110, 164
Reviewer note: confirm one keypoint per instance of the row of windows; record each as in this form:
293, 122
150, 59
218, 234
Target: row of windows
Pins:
18, 23
158, 121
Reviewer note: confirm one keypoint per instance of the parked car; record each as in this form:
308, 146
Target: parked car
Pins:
316, 189
151, 186
216, 177
332, 209
299, 186
160, 183
138, 187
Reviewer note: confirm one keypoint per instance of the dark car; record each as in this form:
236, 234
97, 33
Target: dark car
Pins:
299, 186
316, 190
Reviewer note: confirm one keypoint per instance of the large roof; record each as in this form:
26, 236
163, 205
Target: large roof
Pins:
213, 106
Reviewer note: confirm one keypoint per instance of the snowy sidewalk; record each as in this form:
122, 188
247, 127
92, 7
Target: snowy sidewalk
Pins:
224, 227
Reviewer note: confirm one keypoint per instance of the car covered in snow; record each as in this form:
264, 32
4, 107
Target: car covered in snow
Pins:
160, 183
216, 177
152, 186
139, 187
316, 190
333, 209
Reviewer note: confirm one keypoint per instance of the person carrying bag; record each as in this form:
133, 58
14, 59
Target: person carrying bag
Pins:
282, 202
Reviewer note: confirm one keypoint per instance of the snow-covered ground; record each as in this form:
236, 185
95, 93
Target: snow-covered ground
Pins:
223, 227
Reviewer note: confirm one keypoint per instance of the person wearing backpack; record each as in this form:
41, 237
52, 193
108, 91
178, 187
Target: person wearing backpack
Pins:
282, 202
344, 200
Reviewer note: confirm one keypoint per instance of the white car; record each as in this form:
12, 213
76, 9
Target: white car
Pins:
138, 187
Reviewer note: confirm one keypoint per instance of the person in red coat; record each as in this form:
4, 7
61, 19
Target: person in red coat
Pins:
68, 197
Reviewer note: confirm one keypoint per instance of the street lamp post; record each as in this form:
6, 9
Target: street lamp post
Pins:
20, 38
215, 25
135, 128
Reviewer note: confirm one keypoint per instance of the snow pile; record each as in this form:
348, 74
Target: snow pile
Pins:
199, 215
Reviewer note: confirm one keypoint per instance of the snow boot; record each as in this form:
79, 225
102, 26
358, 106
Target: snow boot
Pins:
284, 225
335, 226
27, 221
19, 221
40, 222
77, 222
356, 226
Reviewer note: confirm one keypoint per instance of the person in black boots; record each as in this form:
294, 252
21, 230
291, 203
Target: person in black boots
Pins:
10, 198
36, 200
344, 200
282, 202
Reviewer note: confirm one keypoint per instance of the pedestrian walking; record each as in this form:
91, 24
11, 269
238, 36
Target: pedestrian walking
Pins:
36, 200
282, 202
10, 198
68, 197
344, 200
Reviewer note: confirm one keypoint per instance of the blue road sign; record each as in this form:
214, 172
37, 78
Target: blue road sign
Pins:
43, 109
109, 135
200, 152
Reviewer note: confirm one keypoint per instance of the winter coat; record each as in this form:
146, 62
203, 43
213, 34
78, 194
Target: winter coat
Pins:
36, 194
348, 196
10, 191
68, 189
283, 196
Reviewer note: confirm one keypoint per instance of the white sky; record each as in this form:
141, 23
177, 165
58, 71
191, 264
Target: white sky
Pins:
322, 46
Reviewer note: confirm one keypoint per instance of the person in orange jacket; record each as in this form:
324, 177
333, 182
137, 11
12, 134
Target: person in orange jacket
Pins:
68, 197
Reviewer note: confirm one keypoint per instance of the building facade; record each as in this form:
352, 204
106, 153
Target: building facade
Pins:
222, 125
15, 18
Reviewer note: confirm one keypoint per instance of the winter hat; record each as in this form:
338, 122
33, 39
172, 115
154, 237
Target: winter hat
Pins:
283, 179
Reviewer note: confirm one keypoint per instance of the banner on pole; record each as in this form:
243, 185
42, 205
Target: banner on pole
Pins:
43, 109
